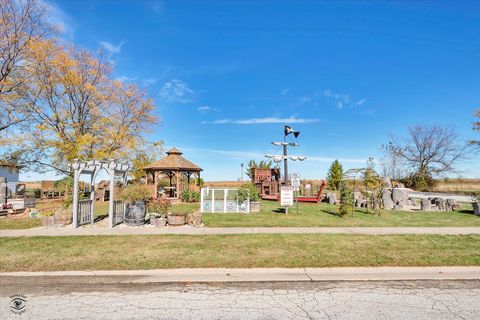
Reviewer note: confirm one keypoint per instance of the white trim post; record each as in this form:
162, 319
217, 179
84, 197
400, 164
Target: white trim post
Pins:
213, 200
75, 167
92, 195
225, 195
111, 171
201, 200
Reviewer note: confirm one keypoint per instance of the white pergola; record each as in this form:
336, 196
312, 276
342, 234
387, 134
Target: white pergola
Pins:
92, 168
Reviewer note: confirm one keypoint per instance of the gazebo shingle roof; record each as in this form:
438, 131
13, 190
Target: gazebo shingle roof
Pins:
173, 161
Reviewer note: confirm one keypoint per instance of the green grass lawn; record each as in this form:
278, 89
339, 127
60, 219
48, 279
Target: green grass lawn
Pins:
235, 251
309, 215
325, 215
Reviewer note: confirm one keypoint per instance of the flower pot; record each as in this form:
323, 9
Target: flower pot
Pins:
176, 219
476, 208
63, 220
158, 222
194, 219
47, 221
254, 207
135, 214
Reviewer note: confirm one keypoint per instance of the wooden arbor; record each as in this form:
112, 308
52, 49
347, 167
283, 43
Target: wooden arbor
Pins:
83, 209
172, 166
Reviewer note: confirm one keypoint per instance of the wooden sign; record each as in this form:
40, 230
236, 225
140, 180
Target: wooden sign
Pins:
286, 196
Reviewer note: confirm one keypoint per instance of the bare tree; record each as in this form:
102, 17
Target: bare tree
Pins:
21, 23
476, 127
431, 150
391, 162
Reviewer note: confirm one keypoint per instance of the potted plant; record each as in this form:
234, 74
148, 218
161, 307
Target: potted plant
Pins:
63, 216
194, 219
157, 211
476, 203
135, 196
46, 217
249, 191
176, 219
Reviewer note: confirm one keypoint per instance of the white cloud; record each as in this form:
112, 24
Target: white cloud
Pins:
285, 91
177, 91
341, 100
111, 48
267, 120
149, 81
158, 7
237, 154
60, 19
125, 79
206, 108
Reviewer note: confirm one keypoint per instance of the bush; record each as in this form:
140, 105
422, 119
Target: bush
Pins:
346, 201
190, 196
419, 182
136, 192
160, 206
248, 190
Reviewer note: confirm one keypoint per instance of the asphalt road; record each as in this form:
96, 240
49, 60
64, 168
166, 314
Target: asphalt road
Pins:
85, 299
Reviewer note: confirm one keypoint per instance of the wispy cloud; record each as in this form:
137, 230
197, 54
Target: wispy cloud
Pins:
241, 155
125, 79
284, 91
158, 6
206, 108
60, 19
177, 91
112, 48
267, 120
342, 99
149, 81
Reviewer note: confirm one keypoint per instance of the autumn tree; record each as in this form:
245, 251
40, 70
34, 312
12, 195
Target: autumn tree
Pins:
335, 175
144, 155
76, 111
22, 22
429, 151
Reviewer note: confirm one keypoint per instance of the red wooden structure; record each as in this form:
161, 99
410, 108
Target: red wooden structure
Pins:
267, 182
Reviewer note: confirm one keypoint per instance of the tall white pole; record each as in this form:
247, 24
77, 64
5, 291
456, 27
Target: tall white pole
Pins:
111, 171
75, 193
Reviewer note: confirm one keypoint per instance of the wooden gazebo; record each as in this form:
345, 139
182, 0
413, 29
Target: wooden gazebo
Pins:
172, 166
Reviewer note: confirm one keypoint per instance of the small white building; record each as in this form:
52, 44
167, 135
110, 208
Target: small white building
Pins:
12, 173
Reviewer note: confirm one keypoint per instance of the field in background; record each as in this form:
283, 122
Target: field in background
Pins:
443, 185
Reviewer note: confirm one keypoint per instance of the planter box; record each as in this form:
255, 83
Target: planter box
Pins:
159, 222
254, 207
194, 219
47, 221
176, 220
63, 220
476, 208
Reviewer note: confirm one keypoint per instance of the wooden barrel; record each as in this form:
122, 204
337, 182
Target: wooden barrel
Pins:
135, 215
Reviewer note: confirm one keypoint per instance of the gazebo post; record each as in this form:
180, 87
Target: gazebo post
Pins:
155, 185
177, 188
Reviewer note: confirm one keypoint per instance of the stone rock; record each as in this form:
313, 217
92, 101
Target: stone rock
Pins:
476, 208
426, 205
399, 195
332, 198
451, 205
388, 204
387, 181
409, 203
439, 203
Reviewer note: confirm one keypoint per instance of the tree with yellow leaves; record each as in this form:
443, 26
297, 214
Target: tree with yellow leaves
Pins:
76, 111
21, 23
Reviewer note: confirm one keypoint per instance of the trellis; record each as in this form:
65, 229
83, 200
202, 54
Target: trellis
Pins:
352, 174
83, 210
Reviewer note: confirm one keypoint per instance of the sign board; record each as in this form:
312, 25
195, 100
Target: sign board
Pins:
286, 196
295, 179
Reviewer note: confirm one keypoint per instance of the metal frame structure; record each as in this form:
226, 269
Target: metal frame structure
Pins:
351, 174
92, 168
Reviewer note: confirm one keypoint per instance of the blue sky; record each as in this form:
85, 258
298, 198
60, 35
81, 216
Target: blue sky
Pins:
227, 75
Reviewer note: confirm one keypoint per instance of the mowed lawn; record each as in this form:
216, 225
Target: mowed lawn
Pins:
325, 215
235, 251
309, 215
